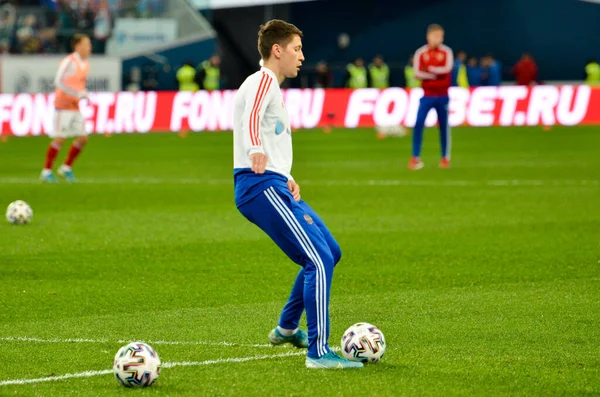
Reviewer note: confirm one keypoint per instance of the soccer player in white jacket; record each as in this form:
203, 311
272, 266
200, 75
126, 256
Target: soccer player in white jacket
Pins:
267, 195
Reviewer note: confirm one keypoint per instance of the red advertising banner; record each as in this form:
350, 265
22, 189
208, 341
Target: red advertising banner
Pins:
126, 112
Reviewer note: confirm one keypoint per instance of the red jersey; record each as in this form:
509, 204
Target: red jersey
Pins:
434, 67
70, 82
526, 72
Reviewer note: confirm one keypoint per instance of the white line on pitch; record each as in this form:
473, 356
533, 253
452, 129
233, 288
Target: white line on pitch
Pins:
232, 360
85, 374
150, 342
88, 374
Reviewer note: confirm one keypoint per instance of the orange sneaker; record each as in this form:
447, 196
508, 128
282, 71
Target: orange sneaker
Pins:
415, 163
445, 163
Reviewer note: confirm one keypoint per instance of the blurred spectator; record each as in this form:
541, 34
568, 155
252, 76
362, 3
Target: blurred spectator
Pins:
51, 4
494, 71
356, 75
113, 5
149, 8
409, 75
7, 22
4, 46
48, 42
459, 71
27, 41
592, 72
82, 15
473, 72
150, 77
208, 74
483, 71
66, 25
323, 77
133, 79
186, 76
46, 26
526, 71
103, 24
379, 73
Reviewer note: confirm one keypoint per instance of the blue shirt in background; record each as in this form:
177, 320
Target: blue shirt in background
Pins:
494, 74
474, 75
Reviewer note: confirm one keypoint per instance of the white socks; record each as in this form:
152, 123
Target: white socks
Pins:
286, 332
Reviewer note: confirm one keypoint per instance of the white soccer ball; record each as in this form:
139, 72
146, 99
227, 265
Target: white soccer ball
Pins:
363, 342
19, 213
136, 365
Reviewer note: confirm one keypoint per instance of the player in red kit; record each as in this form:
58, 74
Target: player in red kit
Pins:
70, 84
433, 64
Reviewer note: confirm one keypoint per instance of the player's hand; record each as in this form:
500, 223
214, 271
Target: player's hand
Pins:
294, 189
259, 163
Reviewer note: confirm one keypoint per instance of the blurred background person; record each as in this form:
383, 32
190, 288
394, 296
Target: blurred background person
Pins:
473, 72
459, 72
494, 71
27, 36
8, 18
526, 71
379, 73
410, 81
433, 65
592, 72
323, 77
186, 77
103, 24
208, 74
356, 75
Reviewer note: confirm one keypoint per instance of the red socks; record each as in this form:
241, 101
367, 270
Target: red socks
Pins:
73, 153
51, 155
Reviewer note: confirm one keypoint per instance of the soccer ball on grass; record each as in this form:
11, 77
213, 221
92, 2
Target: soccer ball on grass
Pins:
19, 213
363, 342
136, 365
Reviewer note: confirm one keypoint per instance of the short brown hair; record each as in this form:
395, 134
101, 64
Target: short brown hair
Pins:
273, 32
77, 38
433, 27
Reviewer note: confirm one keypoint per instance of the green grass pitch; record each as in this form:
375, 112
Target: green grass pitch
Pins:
484, 278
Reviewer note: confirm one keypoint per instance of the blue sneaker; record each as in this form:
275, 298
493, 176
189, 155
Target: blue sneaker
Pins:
332, 360
66, 172
299, 339
47, 176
